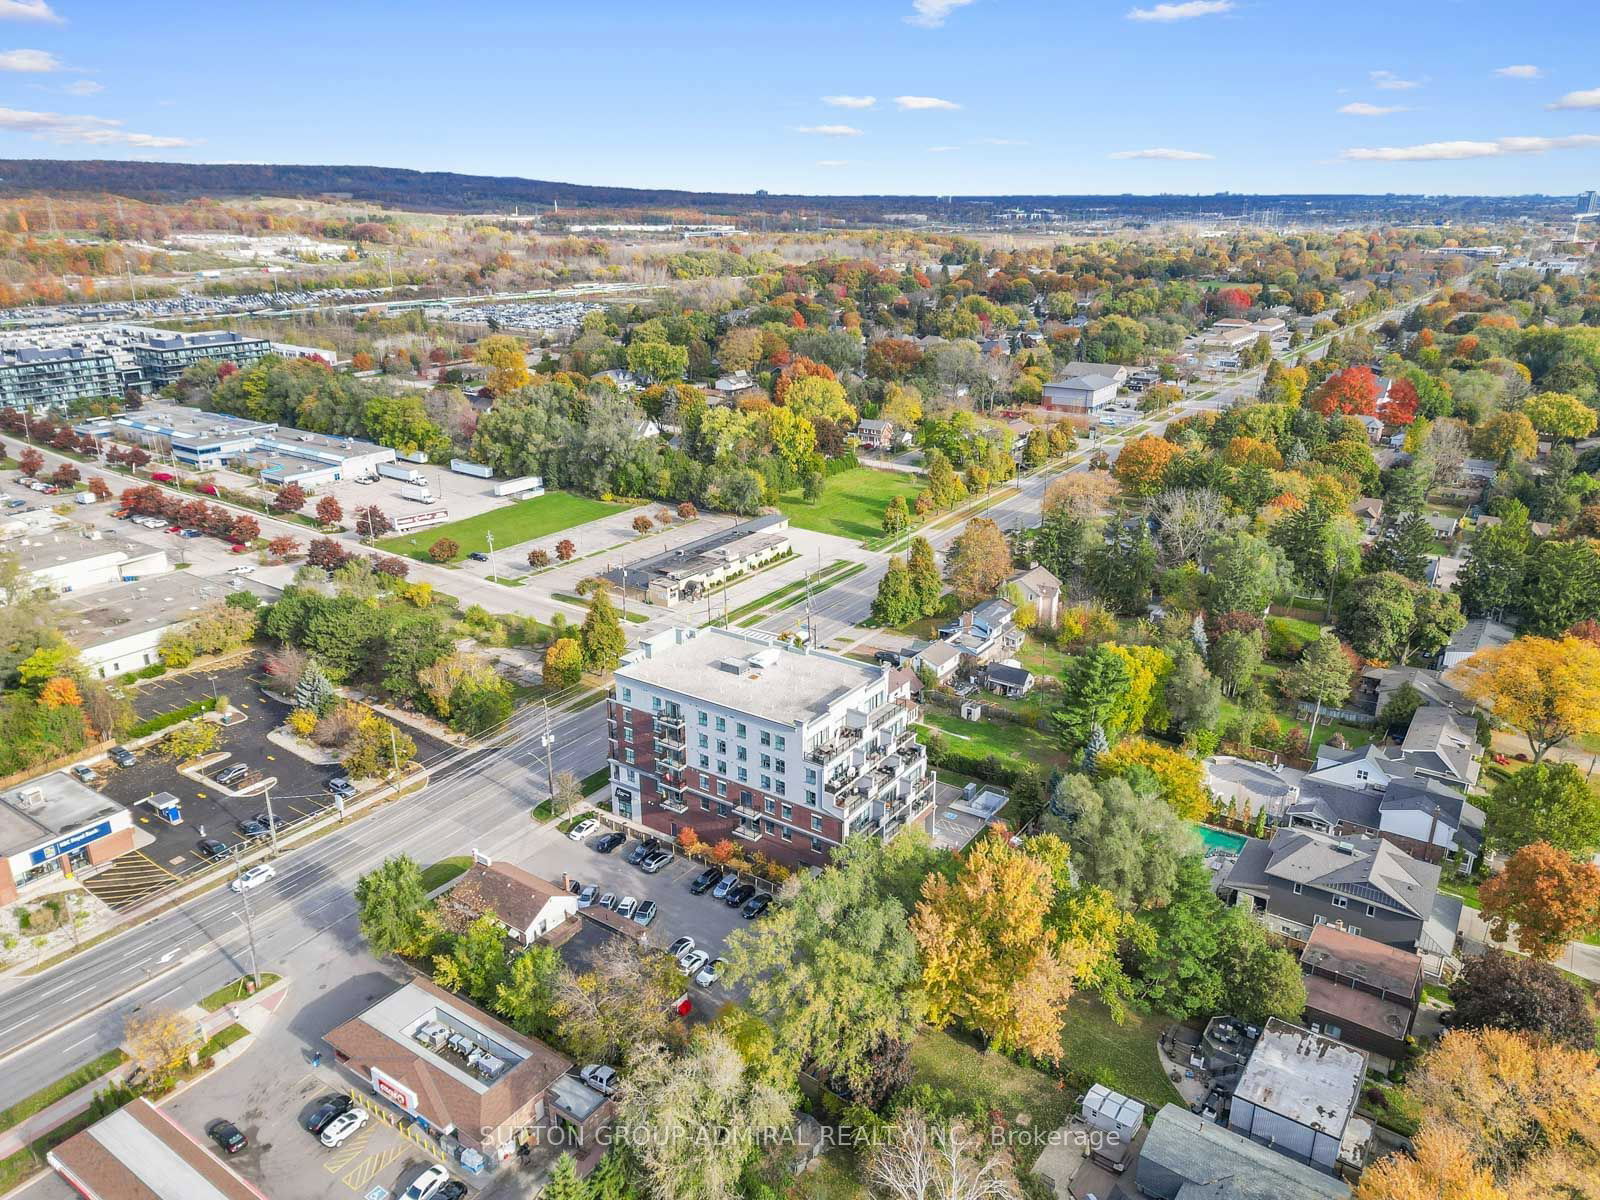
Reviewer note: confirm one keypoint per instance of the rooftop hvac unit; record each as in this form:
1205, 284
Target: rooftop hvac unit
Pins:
29, 799
764, 658
490, 1067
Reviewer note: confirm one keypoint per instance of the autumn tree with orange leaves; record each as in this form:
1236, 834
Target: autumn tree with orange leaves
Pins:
1352, 391
1141, 468
1547, 689
1546, 897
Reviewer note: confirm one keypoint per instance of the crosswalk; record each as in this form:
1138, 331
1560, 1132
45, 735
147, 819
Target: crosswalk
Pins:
131, 878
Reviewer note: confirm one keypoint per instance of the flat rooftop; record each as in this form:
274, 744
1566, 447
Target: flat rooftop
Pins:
109, 614
401, 1014
218, 338
184, 421
140, 1152
1307, 1077
788, 685
41, 551
640, 573
46, 807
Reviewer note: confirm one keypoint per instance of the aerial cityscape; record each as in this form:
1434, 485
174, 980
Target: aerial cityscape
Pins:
930, 600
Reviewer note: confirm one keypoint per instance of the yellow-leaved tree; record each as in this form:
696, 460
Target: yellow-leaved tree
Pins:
1547, 689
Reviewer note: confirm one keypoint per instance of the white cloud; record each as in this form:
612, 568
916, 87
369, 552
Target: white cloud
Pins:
1181, 12
942, 149
84, 87
1362, 109
28, 10
1388, 81
919, 103
931, 14
830, 130
850, 101
32, 62
1449, 151
94, 131
1522, 71
1588, 99
1163, 152
833, 162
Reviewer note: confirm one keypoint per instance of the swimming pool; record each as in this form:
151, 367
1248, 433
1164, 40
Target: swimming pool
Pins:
1219, 839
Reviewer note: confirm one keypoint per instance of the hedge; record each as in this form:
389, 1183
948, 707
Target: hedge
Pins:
166, 720
991, 767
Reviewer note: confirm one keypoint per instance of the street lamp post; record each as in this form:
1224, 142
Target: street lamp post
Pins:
249, 927
490, 536
272, 824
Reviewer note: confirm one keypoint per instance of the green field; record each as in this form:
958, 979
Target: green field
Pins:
1123, 1057
1016, 743
519, 522
852, 503
1025, 1097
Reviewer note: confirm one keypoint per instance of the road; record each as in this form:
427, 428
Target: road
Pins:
476, 799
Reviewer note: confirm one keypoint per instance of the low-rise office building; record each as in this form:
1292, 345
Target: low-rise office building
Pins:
738, 735
53, 827
697, 567
73, 559
117, 630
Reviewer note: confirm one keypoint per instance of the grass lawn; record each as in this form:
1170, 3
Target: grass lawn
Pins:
1458, 885
1004, 738
443, 871
231, 992
1043, 659
223, 1038
833, 1176
519, 522
65, 1086
852, 503
1026, 1097
1123, 1057
593, 783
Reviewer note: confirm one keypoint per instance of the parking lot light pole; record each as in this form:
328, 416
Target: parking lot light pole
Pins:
490, 535
272, 826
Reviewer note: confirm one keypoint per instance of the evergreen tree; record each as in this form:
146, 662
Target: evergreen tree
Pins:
1093, 749
313, 689
1404, 545
927, 585
601, 637
895, 604
1490, 582
564, 1182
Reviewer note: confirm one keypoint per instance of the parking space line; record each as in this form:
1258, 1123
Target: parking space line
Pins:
349, 1152
365, 1171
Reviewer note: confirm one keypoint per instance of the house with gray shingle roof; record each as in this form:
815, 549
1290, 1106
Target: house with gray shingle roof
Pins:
1479, 634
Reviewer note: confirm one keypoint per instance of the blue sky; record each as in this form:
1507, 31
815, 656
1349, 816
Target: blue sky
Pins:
891, 96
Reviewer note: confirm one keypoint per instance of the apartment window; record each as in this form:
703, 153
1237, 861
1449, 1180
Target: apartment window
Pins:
739, 729
780, 788
722, 746
705, 803
628, 755
627, 733
816, 845
655, 703
766, 783
788, 812
722, 787
1362, 775
742, 754
627, 695
766, 762
705, 780
722, 724
744, 796
1340, 902
811, 776
778, 742
771, 805
674, 825
811, 798
1356, 931
1319, 919
701, 718
744, 775
788, 834
766, 737
816, 823
704, 762
704, 741
724, 811
782, 767
722, 766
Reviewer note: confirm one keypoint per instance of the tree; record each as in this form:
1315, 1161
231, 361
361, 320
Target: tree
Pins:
704, 1112
1172, 956
190, 740
565, 549
1560, 414
896, 516
372, 522
1141, 467
291, 497
1497, 990
922, 1158
243, 530
1352, 391
31, 461
1322, 676
329, 511
895, 603
926, 585
1120, 841
945, 488
1246, 573
563, 663
1260, 978
283, 548
989, 957
834, 971
657, 361
978, 562
601, 636
1490, 581
99, 488
1547, 802
1547, 690
564, 1182
1177, 776
1094, 694
389, 903
1236, 657
476, 961
643, 524
378, 749
313, 690
1562, 586
1439, 1167
65, 475
1547, 896
1194, 698
538, 558
444, 549
506, 362
159, 1041
1506, 437
1377, 614
623, 1000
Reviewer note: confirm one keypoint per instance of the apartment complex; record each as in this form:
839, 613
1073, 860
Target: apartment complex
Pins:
37, 378
736, 735
165, 356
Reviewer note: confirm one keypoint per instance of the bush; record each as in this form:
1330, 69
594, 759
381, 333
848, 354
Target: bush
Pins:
302, 721
444, 550
538, 558
643, 524
168, 719
686, 511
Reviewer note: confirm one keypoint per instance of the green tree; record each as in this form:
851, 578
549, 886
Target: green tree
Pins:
926, 585
389, 903
1547, 802
1236, 658
1246, 573
896, 516
1121, 841
564, 1182
657, 362
1377, 614
1563, 587
1323, 546
601, 636
1322, 676
945, 488
476, 963
1490, 581
1404, 544
895, 604
526, 997
1094, 692
1172, 956
379, 749
563, 663
1260, 978
1194, 698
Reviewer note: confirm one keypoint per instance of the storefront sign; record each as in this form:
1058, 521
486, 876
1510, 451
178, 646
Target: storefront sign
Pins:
394, 1091
73, 841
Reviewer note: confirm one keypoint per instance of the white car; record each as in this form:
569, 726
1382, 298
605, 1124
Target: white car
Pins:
426, 1184
583, 829
626, 905
681, 947
342, 1126
709, 973
607, 900
601, 1079
242, 569
586, 897
692, 962
253, 878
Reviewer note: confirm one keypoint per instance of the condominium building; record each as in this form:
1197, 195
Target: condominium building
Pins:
41, 378
737, 735
165, 356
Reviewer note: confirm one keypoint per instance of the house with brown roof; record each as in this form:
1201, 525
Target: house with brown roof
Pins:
528, 907
141, 1153
1360, 991
460, 1073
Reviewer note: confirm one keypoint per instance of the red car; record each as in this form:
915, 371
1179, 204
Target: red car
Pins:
162, 476
207, 489
174, 528
239, 548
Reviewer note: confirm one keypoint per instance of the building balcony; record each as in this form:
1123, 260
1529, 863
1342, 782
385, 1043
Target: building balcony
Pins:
748, 833
747, 811
673, 804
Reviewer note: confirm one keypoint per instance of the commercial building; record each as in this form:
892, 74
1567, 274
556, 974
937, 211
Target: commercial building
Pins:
525, 905
1084, 387
40, 378
140, 1153
1361, 991
696, 567
1187, 1156
737, 735
461, 1074
165, 356
1298, 1094
72, 559
116, 630
53, 827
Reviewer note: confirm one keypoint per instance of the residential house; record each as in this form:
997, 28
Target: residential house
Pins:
1442, 744
1186, 1156
1042, 590
1539, 529
1376, 685
1373, 426
1252, 786
732, 387
1479, 470
941, 658
875, 435
1478, 634
1369, 511
528, 907
1008, 679
624, 380
1443, 525
1424, 817
1298, 1094
1361, 991
985, 633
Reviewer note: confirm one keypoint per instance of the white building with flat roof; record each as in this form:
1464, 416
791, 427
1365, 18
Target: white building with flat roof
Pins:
1298, 1092
738, 735
52, 827
117, 630
73, 559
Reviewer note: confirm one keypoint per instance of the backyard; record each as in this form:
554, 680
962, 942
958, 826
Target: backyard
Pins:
1024, 1096
1006, 739
519, 522
852, 503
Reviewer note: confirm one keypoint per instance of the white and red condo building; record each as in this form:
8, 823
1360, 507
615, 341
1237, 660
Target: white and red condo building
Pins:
737, 735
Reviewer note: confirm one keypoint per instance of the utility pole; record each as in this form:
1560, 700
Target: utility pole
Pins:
624, 589
250, 928
272, 825
394, 750
490, 535
547, 739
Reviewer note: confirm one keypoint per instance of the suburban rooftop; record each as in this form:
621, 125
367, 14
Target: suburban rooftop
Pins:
1304, 1076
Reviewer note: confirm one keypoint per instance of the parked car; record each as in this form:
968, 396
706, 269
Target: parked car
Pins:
583, 829
655, 862
601, 1078
725, 885
626, 905
692, 962
122, 756
229, 776
755, 906
643, 850
478, 556
238, 548
83, 773
192, 533
892, 658
645, 913
226, 1134
681, 947
211, 848
607, 900
708, 878
252, 828
606, 843
427, 1185
739, 895
253, 878
242, 569
343, 1126
709, 973
453, 1190
269, 821
587, 896
341, 787
330, 1107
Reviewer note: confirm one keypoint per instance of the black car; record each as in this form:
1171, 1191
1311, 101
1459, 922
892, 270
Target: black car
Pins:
327, 1109
226, 1134
755, 906
739, 895
892, 658
269, 821
122, 756
607, 842
705, 881
252, 828
478, 556
211, 848
454, 1190
643, 850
